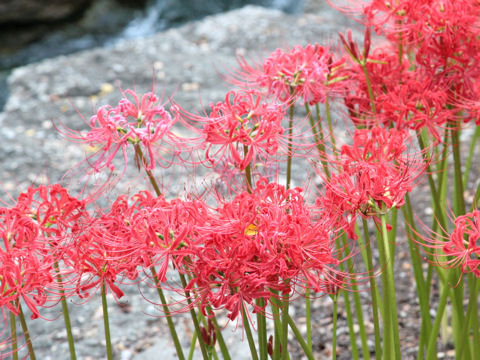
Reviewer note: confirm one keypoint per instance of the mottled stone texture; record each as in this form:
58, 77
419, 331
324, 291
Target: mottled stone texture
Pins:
35, 11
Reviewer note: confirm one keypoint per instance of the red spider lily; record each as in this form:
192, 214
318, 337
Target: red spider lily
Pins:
461, 248
130, 238
375, 174
259, 243
442, 38
306, 73
385, 73
241, 130
25, 264
143, 122
35, 233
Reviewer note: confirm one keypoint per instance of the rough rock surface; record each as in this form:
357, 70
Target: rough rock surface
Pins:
28, 11
185, 62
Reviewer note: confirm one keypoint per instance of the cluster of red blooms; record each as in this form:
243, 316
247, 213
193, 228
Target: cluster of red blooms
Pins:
242, 130
374, 174
35, 234
260, 244
428, 88
306, 73
246, 249
143, 122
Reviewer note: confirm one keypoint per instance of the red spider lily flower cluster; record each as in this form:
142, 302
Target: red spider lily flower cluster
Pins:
303, 72
259, 244
130, 238
464, 243
375, 173
35, 233
142, 122
241, 130
461, 248
424, 90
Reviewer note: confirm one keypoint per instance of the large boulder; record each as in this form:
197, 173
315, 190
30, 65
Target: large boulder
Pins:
35, 11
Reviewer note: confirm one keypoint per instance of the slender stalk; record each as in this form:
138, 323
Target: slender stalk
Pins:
66, 314
472, 306
26, 333
431, 348
301, 341
285, 316
334, 330
13, 334
373, 289
166, 310
248, 332
391, 336
262, 331
248, 172
471, 152
290, 155
308, 316
151, 178
358, 309
318, 136
221, 341
277, 326
422, 290
106, 324
346, 298
193, 315
363, 64
192, 346
458, 196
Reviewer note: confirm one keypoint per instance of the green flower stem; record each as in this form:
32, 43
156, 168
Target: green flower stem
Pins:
248, 172
472, 311
319, 141
432, 341
422, 290
13, 334
459, 208
106, 324
328, 115
358, 307
275, 304
193, 315
391, 346
471, 152
290, 155
348, 309
366, 248
335, 323
248, 332
363, 64
220, 339
151, 178
192, 346
66, 314
26, 333
285, 316
392, 234
301, 341
438, 209
166, 310
308, 316
262, 330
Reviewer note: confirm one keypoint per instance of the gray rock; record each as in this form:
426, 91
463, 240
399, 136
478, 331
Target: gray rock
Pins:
28, 11
185, 63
